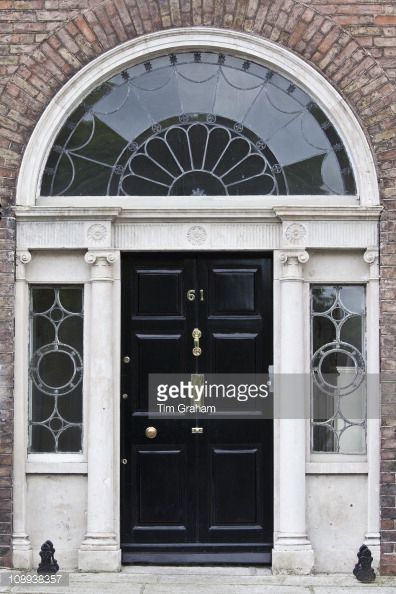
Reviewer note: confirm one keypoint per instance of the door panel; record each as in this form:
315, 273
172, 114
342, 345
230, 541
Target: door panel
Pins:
233, 291
160, 488
149, 281
195, 497
234, 503
234, 352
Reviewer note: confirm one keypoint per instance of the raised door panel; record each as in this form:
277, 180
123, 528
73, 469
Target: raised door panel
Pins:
234, 352
235, 487
154, 353
232, 291
158, 292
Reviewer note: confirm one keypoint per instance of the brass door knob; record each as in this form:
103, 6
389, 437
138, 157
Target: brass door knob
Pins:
151, 432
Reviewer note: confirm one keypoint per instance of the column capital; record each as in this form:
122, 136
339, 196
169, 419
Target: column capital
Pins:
371, 257
22, 258
101, 263
292, 260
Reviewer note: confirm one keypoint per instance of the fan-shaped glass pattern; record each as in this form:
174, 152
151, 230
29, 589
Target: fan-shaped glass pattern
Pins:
197, 124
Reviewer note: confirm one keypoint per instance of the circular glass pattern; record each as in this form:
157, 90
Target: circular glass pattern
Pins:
56, 369
338, 368
223, 92
55, 424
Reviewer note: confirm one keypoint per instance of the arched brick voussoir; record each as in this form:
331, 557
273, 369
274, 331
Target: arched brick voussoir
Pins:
107, 23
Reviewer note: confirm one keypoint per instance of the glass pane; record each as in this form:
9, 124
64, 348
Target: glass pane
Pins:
352, 298
56, 369
197, 123
338, 369
352, 440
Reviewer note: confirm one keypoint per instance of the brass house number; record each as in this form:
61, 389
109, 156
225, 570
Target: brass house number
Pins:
191, 295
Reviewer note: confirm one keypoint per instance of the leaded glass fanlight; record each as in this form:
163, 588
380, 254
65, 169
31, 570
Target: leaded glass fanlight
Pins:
196, 124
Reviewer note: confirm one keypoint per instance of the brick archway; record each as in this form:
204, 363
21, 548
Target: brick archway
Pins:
96, 26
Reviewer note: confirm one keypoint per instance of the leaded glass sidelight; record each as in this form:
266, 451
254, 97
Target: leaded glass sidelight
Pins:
338, 369
56, 369
195, 124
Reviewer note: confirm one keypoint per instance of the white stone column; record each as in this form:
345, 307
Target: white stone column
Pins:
21, 547
100, 550
292, 551
372, 539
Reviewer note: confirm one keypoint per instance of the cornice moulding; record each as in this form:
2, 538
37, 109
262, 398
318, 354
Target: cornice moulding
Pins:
213, 213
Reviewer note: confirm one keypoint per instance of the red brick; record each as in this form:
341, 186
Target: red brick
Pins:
85, 29
385, 19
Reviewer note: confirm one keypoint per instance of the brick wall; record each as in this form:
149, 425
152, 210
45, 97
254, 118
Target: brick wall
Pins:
353, 44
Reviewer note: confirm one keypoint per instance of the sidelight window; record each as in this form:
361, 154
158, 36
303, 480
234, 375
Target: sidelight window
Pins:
196, 124
56, 369
338, 369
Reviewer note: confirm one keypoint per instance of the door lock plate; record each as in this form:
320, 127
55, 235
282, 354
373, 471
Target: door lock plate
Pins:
196, 429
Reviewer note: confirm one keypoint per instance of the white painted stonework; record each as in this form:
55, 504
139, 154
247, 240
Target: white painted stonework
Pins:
323, 503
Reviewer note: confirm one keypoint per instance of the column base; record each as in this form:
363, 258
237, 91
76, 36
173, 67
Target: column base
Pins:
372, 541
292, 556
99, 552
22, 554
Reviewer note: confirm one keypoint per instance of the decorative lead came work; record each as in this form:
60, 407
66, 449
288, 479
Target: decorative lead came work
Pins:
198, 121
338, 369
56, 369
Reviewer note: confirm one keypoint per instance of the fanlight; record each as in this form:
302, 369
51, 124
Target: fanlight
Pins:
198, 124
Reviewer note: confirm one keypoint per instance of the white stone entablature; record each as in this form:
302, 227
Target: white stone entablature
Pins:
171, 229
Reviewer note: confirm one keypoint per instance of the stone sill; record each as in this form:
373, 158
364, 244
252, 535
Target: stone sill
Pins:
48, 464
357, 467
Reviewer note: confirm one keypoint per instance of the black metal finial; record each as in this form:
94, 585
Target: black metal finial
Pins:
363, 570
48, 562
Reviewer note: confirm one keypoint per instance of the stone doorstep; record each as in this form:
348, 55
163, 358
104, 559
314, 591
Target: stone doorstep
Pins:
209, 580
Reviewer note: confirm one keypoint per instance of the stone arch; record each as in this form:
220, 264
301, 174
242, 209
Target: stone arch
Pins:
316, 38
130, 52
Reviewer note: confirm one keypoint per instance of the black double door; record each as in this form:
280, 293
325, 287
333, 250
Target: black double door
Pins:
191, 497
